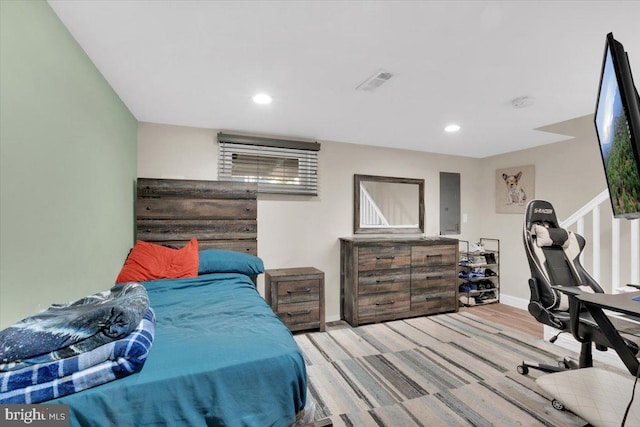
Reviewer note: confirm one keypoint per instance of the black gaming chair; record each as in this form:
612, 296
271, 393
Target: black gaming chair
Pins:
553, 254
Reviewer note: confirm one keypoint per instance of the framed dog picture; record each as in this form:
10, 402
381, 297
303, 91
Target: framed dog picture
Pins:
514, 188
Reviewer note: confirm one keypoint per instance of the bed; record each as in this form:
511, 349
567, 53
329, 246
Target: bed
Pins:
220, 355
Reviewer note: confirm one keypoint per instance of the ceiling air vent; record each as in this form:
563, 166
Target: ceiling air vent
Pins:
375, 81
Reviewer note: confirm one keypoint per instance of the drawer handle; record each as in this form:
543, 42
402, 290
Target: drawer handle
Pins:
434, 277
379, 257
298, 313
299, 291
385, 280
386, 302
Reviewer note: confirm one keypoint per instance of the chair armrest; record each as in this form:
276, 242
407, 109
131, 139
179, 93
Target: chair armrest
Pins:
569, 290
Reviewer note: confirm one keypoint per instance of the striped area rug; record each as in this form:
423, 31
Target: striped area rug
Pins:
444, 370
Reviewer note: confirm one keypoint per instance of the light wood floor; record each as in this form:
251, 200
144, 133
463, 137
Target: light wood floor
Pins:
508, 316
499, 313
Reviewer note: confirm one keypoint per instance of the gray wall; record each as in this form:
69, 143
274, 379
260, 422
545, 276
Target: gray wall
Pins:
67, 170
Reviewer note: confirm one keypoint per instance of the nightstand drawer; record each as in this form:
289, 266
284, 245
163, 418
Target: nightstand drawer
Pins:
299, 316
291, 291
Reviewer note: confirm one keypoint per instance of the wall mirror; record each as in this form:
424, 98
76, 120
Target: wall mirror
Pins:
384, 204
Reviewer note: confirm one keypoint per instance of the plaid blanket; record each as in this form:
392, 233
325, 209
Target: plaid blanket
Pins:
103, 364
65, 330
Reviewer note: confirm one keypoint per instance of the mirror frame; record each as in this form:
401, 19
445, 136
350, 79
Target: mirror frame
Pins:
357, 179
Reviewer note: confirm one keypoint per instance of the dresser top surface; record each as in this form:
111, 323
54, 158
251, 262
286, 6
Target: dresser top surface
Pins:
419, 239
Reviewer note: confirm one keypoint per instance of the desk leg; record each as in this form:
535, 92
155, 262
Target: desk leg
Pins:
614, 338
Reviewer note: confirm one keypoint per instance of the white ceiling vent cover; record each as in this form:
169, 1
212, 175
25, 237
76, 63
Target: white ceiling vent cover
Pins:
375, 81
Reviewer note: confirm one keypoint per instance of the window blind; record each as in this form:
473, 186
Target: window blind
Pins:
278, 166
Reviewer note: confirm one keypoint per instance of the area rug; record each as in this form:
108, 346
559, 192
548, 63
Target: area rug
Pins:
445, 370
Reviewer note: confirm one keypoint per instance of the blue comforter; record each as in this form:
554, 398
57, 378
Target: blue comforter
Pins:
220, 357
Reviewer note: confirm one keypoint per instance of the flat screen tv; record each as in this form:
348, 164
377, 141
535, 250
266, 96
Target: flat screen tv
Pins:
617, 121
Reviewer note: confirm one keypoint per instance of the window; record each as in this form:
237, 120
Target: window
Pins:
278, 166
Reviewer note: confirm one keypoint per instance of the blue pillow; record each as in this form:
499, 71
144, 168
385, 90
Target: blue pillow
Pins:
224, 261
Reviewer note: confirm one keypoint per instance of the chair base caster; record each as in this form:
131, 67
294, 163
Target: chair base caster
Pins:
557, 405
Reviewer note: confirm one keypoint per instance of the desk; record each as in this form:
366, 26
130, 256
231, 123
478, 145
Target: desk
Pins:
621, 303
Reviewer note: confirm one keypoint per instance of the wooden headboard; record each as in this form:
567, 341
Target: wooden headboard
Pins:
220, 214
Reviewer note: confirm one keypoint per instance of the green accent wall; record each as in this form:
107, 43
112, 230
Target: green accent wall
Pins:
68, 156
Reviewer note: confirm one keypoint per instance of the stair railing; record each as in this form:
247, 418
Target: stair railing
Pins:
370, 213
593, 208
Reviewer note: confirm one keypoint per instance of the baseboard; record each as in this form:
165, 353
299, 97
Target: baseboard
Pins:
516, 302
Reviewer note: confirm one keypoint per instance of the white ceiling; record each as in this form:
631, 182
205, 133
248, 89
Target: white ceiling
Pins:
198, 63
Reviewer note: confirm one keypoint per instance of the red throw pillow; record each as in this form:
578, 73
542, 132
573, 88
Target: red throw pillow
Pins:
148, 261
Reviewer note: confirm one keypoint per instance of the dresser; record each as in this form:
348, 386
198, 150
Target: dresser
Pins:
296, 295
387, 278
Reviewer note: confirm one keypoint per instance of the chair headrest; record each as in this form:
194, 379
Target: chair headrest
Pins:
550, 236
540, 212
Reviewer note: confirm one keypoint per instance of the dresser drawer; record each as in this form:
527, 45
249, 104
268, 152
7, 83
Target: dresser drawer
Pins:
433, 255
428, 277
300, 315
290, 291
383, 306
376, 281
435, 299
384, 257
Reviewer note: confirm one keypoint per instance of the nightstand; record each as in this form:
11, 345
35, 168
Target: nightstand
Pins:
296, 295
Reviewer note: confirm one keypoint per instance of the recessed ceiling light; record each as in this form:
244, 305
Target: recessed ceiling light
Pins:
262, 98
452, 128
